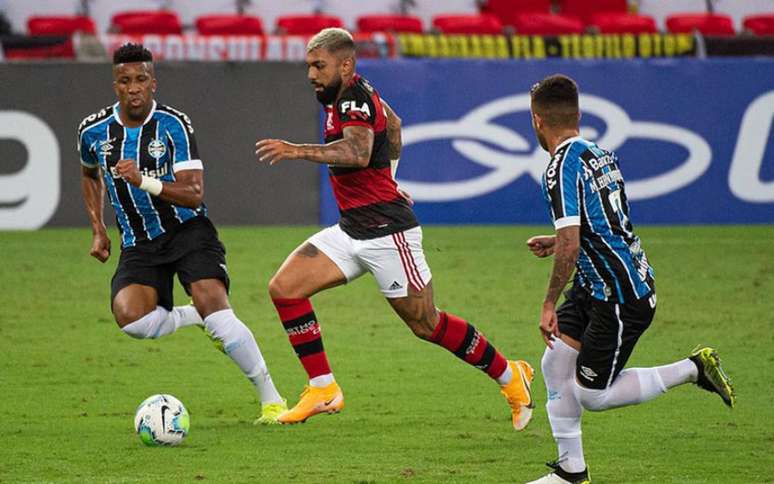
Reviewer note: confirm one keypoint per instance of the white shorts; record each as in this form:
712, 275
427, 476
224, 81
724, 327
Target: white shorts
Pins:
396, 260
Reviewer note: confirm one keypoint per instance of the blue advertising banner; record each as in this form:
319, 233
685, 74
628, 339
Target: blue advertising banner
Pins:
693, 136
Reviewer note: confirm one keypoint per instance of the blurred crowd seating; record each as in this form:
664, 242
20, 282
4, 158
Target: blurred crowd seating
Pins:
305, 17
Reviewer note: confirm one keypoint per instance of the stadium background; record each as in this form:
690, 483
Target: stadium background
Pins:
689, 111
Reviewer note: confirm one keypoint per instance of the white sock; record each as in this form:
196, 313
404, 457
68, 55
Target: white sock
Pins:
633, 385
161, 322
239, 344
506, 377
684, 371
563, 408
322, 380
189, 316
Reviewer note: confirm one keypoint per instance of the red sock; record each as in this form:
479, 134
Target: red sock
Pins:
465, 341
303, 332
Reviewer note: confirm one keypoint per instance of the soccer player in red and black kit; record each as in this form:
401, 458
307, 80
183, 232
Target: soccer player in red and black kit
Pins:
377, 233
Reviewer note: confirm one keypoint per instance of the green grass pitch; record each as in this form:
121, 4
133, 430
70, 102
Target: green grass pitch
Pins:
70, 380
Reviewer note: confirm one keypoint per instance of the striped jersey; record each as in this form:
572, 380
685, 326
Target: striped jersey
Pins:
367, 197
162, 146
583, 186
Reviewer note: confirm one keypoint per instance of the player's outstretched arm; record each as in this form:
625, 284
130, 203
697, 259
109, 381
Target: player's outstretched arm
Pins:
186, 191
93, 191
566, 250
353, 150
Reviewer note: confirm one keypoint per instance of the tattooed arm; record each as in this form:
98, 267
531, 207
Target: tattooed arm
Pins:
352, 150
565, 255
393, 131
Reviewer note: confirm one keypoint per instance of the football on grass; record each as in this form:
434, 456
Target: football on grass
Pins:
161, 420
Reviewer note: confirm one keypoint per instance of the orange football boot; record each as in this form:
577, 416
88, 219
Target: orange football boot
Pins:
519, 394
314, 400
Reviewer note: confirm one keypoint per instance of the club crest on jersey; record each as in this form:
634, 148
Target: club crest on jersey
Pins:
157, 148
354, 111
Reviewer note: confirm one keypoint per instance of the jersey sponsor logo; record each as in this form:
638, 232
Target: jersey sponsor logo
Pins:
507, 155
157, 173
351, 109
157, 148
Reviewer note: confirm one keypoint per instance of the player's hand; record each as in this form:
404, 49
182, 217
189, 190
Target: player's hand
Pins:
275, 150
100, 247
542, 245
403, 193
127, 169
549, 325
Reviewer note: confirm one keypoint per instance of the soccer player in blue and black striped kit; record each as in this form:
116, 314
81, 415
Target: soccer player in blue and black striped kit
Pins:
145, 155
612, 301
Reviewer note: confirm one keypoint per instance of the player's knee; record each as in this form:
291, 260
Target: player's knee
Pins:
126, 315
279, 287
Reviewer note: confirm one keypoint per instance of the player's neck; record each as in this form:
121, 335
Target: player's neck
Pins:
560, 136
345, 80
134, 123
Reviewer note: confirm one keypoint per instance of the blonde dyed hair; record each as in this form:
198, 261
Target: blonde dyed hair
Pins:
333, 40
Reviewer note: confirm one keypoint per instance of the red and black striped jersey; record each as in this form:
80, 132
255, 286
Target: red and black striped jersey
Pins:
367, 197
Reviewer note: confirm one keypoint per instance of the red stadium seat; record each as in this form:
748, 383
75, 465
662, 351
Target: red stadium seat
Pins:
707, 24
760, 24
623, 23
547, 24
507, 10
585, 9
389, 23
229, 25
147, 22
60, 25
468, 24
306, 24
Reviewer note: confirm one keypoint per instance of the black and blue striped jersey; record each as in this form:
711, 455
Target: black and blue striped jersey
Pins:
162, 146
583, 186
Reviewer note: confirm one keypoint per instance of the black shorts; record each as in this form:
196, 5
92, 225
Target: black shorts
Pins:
607, 332
192, 251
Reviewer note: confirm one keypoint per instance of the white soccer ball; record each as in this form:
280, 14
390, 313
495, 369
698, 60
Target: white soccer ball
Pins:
161, 420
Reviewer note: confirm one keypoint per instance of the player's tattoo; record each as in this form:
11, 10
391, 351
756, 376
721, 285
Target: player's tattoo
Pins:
308, 250
353, 150
393, 132
565, 256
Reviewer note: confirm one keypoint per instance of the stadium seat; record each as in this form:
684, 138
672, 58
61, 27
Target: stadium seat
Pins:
760, 24
468, 24
585, 9
623, 23
306, 24
389, 23
147, 22
547, 24
229, 25
707, 24
507, 10
60, 25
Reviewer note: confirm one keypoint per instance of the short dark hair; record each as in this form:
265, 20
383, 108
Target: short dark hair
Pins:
130, 52
555, 99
